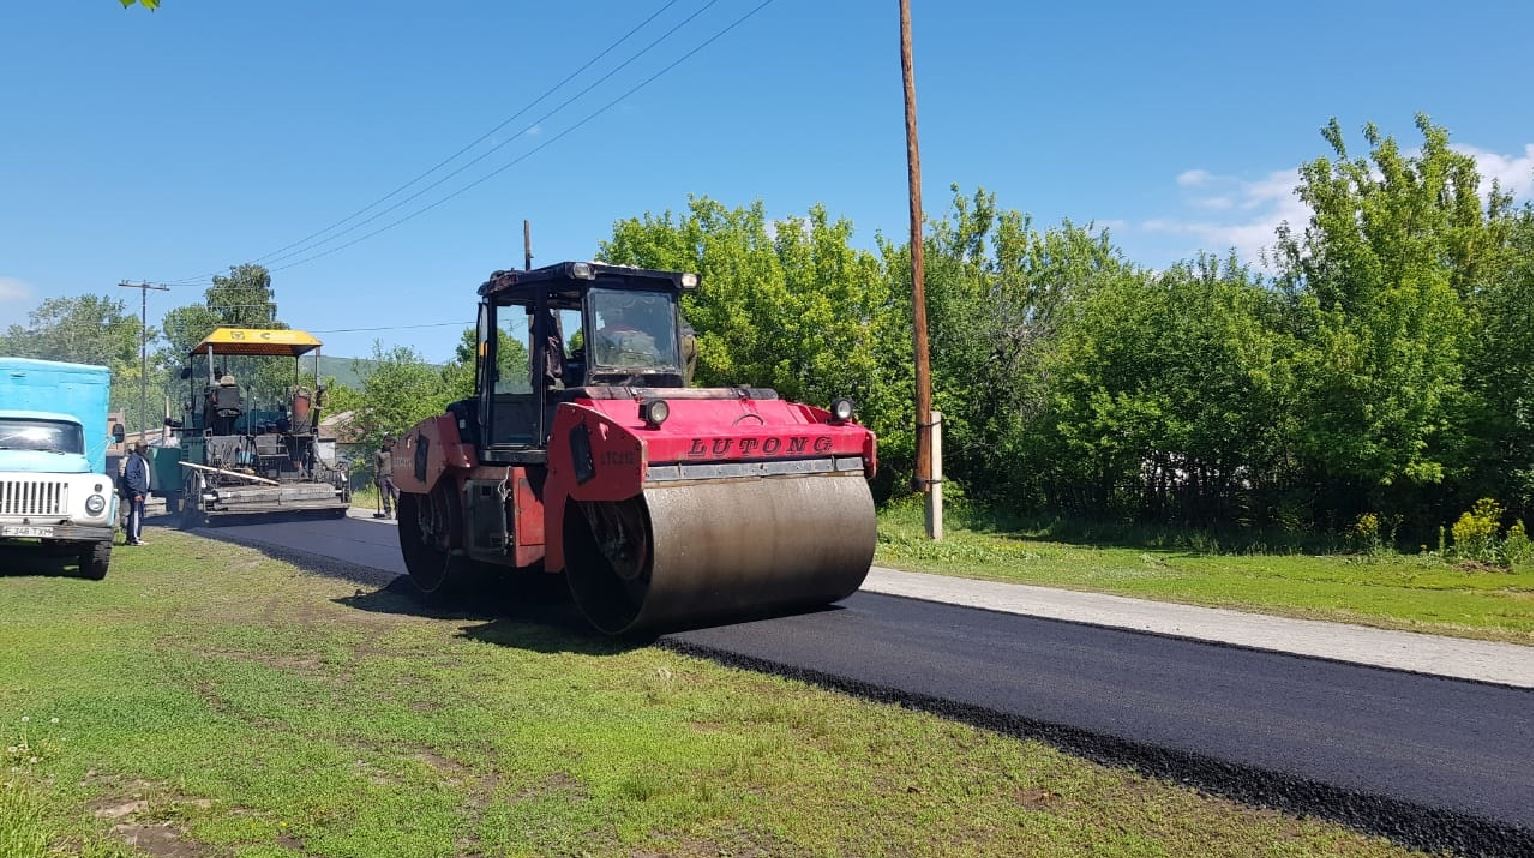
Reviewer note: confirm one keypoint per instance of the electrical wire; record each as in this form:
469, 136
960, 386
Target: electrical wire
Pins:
497, 147
186, 281
519, 159
461, 324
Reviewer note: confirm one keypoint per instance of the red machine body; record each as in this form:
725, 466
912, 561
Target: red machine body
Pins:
663, 504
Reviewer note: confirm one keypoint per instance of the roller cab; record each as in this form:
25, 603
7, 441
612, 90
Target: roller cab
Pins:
585, 453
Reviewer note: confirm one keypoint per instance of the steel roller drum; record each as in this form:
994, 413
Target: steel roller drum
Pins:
714, 550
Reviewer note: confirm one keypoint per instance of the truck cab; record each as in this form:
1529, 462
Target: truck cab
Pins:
55, 497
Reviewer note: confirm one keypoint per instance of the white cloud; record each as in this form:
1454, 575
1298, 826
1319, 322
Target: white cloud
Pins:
1255, 207
535, 131
1515, 173
1217, 212
1193, 178
14, 289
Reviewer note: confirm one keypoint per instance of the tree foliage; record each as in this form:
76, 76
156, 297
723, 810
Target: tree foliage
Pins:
243, 298
89, 329
1385, 367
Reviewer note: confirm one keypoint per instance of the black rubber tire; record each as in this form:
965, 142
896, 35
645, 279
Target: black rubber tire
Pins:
94, 560
338, 513
439, 577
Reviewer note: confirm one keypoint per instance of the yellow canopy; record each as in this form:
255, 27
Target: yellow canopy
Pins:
257, 341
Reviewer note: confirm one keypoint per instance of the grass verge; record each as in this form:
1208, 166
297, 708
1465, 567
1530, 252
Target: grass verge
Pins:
1389, 591
212, 701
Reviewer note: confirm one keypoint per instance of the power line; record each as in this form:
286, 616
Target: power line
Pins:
535, 150
478, 140
485, 136
499, 146
390, 328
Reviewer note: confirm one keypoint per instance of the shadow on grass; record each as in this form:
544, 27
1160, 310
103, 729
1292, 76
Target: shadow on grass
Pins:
529, 611
32, 562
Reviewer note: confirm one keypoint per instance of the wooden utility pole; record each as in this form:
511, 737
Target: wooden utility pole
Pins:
925, 478
527, 245
143, 351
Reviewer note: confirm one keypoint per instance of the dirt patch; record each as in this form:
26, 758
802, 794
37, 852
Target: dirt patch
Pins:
561, 784
733, 844
452, 769
1035, 799
115, 809
162, 841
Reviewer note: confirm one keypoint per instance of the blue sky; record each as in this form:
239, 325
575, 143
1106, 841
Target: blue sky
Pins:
169, 145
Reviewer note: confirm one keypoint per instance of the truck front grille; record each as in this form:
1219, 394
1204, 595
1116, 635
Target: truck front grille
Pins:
34, 497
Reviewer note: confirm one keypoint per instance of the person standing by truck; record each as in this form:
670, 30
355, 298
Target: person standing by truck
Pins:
383, 477
135, 491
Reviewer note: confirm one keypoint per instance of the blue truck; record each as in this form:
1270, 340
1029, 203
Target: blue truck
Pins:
56, 496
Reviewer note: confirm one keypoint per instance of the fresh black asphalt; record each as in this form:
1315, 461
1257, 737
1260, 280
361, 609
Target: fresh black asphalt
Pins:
1434, 763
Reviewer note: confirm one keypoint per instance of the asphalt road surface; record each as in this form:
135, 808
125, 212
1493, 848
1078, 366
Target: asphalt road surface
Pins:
1431, 762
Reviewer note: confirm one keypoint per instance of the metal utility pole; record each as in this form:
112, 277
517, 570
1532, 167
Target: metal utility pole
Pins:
143, 350
527, 245
926, 480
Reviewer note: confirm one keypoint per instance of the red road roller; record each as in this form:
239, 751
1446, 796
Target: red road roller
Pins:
585, 453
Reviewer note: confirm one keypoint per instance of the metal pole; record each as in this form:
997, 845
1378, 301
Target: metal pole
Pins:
935, 490
527, 245
143, 351
924, 416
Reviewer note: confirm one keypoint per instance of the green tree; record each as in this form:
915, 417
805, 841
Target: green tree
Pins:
400, 389
1501, 376
1169, 394
151, 5
1381, 282
89, 329
997, 288
788, 304
243, 298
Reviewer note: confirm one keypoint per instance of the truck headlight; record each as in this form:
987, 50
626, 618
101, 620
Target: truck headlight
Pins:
95, 504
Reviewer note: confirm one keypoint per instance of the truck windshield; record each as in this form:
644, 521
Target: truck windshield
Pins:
44, 436
634, 330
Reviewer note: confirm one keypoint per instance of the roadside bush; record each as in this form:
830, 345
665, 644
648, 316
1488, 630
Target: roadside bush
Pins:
1518, 549
1365, 534
1476, 533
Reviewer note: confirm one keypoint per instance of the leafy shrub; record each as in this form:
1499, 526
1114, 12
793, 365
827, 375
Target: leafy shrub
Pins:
1365, 534
1518, 549
1477, 531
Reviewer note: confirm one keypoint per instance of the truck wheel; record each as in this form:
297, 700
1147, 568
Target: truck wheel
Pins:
94, 559
426, 524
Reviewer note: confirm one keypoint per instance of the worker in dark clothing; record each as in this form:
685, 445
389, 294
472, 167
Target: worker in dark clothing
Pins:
135, 491
383, 477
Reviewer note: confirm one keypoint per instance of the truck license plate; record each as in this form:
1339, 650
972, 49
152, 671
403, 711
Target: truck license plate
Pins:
22, 530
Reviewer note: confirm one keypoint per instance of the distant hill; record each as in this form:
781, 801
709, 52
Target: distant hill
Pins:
348, 372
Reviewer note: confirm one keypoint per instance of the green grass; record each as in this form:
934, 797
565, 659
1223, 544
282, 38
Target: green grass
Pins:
365, 497
1389, 590
212, 700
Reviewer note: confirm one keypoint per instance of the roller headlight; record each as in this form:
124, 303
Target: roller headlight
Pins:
654, 412
841, 410
95, 504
